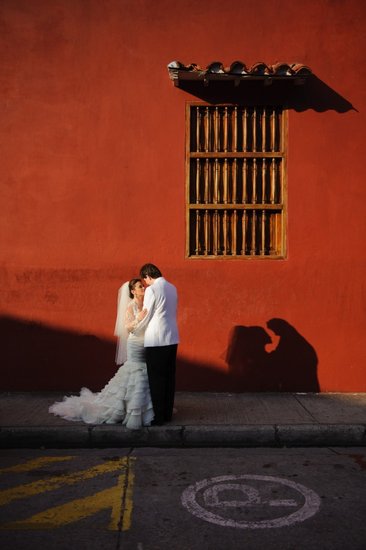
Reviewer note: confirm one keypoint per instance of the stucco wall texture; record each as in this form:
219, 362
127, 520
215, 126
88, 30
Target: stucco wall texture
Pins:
92, 140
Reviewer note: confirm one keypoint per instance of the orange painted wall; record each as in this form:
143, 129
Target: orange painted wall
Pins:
92, 186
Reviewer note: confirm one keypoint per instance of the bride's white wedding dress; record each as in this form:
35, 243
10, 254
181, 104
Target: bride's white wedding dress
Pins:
126, 398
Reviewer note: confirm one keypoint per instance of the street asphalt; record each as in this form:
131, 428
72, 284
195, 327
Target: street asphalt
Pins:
201, 420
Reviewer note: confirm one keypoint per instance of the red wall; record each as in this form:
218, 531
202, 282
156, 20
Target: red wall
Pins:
92, 186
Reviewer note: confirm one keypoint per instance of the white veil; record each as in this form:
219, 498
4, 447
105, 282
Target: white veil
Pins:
120, 330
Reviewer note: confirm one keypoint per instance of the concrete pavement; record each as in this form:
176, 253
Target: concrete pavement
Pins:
201, 420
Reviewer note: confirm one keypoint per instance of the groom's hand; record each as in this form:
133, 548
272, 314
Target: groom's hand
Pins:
142, 314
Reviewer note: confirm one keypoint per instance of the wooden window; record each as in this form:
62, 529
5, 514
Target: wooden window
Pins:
236, 181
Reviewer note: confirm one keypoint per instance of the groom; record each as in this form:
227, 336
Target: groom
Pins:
161, 340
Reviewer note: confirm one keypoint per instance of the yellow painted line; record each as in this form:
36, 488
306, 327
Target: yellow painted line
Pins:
118, 498
34, 464
127, 496
53, 483
70, 512
117, 510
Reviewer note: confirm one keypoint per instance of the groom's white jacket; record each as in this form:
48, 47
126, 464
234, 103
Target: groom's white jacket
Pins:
161, 320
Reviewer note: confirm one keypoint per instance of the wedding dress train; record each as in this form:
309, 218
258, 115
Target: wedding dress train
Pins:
126, 398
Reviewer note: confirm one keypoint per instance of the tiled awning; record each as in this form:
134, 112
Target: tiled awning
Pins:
238, 72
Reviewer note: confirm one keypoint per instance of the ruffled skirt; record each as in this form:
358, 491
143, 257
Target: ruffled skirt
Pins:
126, 398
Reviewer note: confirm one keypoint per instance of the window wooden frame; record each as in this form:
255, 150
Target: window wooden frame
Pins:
236, 182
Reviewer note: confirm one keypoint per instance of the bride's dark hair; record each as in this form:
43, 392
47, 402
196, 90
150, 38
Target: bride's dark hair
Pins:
131, 285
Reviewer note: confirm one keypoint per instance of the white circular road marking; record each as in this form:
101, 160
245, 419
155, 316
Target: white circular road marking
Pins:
251, 492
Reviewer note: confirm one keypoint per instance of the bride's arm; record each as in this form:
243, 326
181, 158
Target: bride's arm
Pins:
130, 320
133, 322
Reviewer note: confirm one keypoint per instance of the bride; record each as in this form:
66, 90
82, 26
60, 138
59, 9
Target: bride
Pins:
126, 397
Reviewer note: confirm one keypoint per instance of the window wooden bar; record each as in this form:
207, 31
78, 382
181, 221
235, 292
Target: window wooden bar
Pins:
263, 233
272, 236
235, 128
273, 130
254, 181
264, 119
281, 134
280, 175
206, 169
234, 178
197, 181
245, 179
254, 222
198, 248
216, 182
245, 129
225, 139
244, 233
236, 181
254, 130
277, 236
273, 181
207, 128
198, 128
216, 130
234, 222
224, 181
215, 232
264, 172
224, 228
206, 232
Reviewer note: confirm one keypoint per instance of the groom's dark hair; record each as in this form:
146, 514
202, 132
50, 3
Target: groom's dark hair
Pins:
150, 270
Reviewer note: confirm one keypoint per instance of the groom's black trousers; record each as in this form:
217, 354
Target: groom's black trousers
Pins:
160, 362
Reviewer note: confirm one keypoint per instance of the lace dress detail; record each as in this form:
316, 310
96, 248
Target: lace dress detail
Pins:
126, 398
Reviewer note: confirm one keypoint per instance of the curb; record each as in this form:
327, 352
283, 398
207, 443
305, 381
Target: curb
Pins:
301, 435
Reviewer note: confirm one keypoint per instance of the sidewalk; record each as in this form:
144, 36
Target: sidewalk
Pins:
202, 420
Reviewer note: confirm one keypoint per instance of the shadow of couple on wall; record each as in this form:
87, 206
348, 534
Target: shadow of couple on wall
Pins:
36, 357
290, 367
251, 367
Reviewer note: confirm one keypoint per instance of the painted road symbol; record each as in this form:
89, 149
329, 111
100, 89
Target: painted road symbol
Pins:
250, 501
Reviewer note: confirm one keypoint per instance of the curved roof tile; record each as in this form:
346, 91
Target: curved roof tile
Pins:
216, 67
238, 67
260, 69
282, 69
178, 71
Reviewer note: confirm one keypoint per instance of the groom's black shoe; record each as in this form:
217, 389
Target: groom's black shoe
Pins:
156, 422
